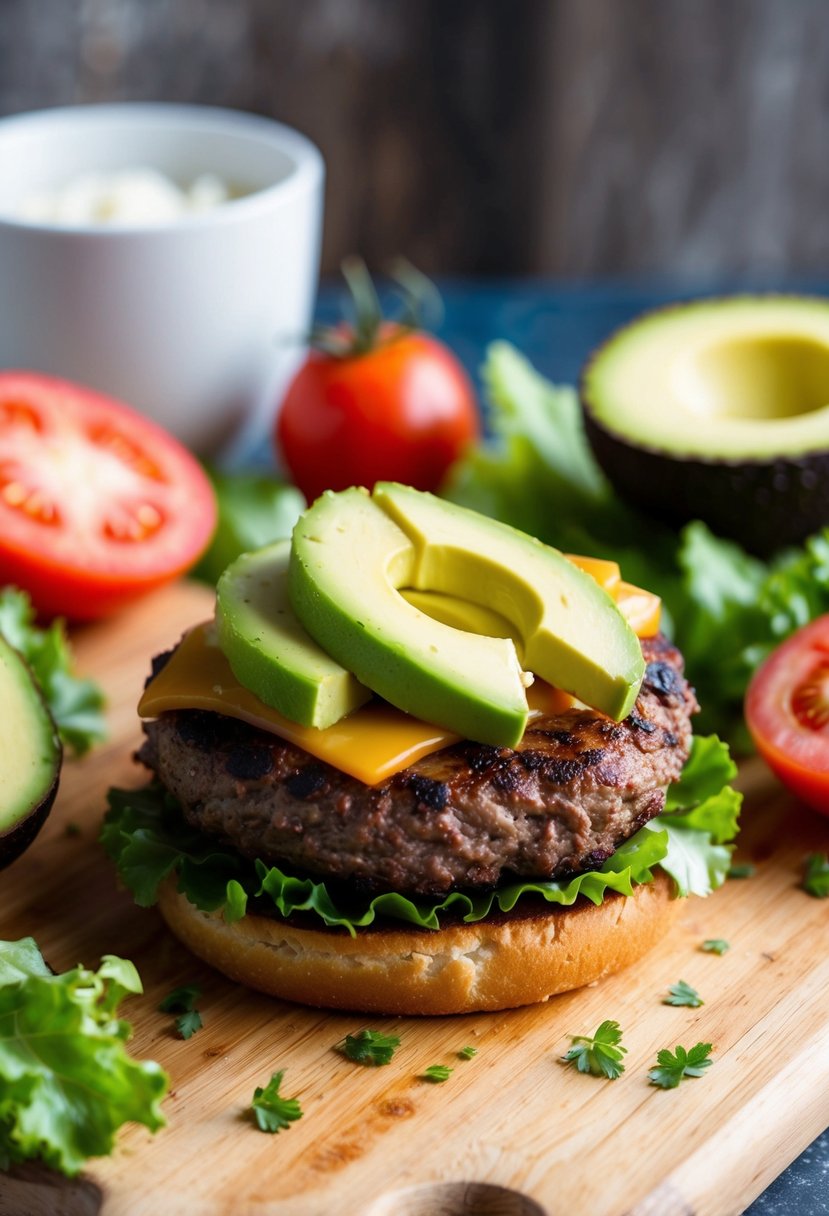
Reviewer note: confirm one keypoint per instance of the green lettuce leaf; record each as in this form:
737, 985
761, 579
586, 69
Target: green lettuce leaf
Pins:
21, 960
146, 835
76, 705
254, 509
67, 1082
726, 610
148, 839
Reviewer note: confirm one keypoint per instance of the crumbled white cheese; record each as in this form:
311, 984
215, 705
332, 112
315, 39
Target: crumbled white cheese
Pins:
126, 197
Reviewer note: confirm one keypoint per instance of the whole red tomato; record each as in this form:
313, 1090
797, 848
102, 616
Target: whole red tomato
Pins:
377, 401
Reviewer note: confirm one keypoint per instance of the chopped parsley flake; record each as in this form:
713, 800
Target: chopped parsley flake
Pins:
437, 1072
715, 945
466, 1053
673, 1067
600, 1055
272, 1112
743, 869
683, 994
816, 875
369, 1047
181, 1000
188, 1023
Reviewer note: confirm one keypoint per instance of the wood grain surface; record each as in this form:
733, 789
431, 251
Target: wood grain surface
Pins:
555, 137
512, 1132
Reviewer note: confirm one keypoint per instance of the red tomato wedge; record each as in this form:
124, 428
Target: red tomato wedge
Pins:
787, 712
97, 503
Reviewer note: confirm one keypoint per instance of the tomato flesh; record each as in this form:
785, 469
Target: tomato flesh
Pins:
787, 712
403, 411
97, 503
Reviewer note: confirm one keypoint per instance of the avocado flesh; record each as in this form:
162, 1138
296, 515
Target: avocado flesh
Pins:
348, 559
269, 651
351, 557
572, 633
30, 755
719, 410
463, 614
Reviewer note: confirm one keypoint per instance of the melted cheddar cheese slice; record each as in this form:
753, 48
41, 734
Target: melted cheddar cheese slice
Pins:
370, 744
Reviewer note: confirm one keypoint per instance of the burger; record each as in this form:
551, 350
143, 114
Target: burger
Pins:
356, 804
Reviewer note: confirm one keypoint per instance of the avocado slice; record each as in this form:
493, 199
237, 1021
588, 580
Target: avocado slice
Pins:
463, 614
352, 555
571, 632
30, 756
719, 410
348, 560
270, 652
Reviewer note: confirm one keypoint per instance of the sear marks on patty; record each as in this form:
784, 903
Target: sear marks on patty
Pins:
576, 787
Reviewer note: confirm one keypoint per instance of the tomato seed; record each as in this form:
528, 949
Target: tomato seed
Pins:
810, 700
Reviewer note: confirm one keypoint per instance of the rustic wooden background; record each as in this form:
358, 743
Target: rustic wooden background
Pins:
567, 137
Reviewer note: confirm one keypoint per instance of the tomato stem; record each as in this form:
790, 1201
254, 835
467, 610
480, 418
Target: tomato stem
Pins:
369, 329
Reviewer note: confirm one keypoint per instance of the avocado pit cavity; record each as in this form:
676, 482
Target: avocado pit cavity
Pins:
719, 410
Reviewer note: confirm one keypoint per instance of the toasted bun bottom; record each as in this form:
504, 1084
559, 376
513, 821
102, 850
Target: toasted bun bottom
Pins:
510, 960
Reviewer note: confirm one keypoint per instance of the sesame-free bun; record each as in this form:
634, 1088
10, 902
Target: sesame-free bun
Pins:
498, 963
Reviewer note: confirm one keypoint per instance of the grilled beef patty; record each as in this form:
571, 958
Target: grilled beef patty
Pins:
575, 788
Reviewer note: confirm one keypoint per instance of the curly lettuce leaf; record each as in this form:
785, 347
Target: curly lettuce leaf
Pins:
76, 705
146, 835
727, 610
67, 1083
148, 839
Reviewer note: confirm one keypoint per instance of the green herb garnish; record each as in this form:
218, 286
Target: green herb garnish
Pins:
673, 1067
466, 1053
181, 1000
188, 1023
715, 945
67, 1082
370, 1047
600, 1055
76, 705
683, 994
816, 875
272, 1112
437, 1073
743, 869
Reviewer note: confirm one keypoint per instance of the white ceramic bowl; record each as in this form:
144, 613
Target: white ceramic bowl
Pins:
197, 322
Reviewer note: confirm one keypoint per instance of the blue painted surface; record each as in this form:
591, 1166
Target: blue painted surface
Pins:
557, 327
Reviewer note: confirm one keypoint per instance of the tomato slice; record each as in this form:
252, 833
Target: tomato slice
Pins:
97, 503
787, 711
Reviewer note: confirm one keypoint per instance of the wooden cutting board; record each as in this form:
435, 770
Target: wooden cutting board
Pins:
512, 1132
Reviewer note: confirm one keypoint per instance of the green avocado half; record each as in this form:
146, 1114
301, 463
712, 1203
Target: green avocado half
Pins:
30, 756
719, 410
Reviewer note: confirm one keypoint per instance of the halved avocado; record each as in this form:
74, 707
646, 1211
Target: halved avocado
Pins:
30, 756
719, 410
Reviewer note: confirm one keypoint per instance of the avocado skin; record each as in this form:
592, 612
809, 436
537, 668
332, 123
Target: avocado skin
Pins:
33, 814
17, 839
765, 506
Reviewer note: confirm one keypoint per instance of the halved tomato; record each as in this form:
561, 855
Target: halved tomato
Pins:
97, 503
787, 712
